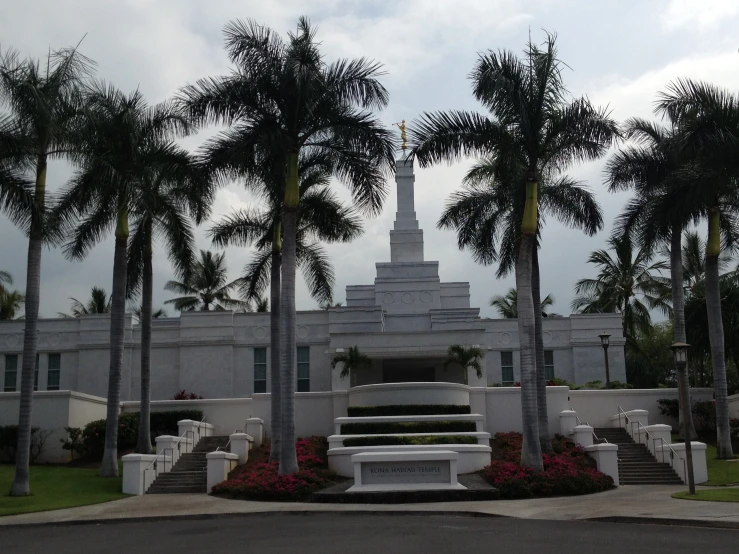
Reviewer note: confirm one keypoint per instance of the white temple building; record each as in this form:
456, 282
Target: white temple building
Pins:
405, 321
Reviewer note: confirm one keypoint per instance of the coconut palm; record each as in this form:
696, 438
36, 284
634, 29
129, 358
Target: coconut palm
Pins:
507, 305
352, 360
261, 305
128, 142
98, 303
284, 99
10, 303
42, 103
628, 283
155, 314
465, 357
321, 217
708, 117
694, 261
657, 215
535, 126
208, 287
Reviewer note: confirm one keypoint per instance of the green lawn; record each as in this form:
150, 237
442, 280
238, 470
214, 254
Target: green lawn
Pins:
54, 487
720, 472
711, 495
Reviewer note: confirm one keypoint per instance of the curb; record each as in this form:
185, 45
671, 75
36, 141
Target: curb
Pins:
672, 522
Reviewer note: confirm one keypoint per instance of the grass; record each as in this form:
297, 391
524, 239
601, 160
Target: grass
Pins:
54, 487
711, 495
720, 473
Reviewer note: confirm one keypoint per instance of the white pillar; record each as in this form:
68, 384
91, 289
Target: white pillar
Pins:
636, 417
583, 435
659, 431
567, 422
188, 429
240, 446
606, 457
220, 465
255, 428
169, 446
139, 473
700, 467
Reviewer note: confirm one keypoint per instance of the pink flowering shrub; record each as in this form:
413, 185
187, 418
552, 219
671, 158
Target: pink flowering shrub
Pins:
258, 478
568, 471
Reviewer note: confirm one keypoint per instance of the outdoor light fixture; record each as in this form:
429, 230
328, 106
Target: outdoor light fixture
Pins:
680, 351
605, 341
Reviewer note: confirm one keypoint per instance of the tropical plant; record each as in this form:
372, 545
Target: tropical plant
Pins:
208, 287
328, 305
127, 142
10, 303
98, 303
284, 100
466, 358
537, 129
628, 283
507, 305
155, 314
352, 360
261, 304
708, 118
42, 103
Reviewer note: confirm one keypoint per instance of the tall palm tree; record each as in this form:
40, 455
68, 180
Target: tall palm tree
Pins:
207, 288
657, 215
507, 305
42, 103
694, 261
320, 217
98, 303
6, 278
708, 117
285, 99
172, 193
533, 124
127, 141
352, 360
10, 301
465, 357
628, 283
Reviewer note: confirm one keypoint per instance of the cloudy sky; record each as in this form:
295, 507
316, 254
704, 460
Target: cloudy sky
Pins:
620, 55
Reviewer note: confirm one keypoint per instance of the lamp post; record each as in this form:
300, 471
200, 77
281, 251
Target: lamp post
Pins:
680, 352
604, 341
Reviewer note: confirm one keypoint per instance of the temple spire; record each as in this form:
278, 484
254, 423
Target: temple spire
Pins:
406, 239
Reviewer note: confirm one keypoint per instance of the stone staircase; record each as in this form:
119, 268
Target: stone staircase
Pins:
189, 473
636, 465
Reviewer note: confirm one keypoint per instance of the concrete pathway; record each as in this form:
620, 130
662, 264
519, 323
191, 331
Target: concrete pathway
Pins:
624, 502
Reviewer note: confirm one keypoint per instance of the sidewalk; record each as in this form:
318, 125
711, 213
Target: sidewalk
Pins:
641, 502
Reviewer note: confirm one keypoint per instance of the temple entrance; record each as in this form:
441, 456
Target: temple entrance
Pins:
408, 371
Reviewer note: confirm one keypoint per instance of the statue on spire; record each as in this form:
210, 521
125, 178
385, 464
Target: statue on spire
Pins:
403, 137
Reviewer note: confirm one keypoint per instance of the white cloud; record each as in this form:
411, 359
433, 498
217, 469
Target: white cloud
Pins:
704, 15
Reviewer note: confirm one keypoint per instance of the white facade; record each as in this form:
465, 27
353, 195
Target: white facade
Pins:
405, 322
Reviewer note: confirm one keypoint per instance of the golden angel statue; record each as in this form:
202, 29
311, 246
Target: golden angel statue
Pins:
403, 137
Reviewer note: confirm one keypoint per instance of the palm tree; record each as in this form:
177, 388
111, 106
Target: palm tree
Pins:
535, 127
320, 217
352, 360
261, 305
99, 303
207, 288
657, 215
328, 305
507, 305
694, 261
155, 314
6, 278
284, 100
127, 142
466, 358
708, 117
43, 112
627, 283
10, 303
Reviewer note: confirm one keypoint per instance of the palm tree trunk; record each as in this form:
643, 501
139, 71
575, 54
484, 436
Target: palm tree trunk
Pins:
21, 485
541, 378
678, 309
716, 336
109, 467
531, 449
274, 331
288, 455
143, 445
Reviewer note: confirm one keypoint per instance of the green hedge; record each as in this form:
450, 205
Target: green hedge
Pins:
404, 427
381, 440
161, 423
408, 409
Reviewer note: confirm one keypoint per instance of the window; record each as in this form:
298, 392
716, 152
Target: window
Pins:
260, 370
303, 368
549, 365
11, 372
35, 374
506, 366
54, 372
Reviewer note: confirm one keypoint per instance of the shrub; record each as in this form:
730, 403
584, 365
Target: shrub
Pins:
704, 412
9, 442
568, 471
73, 442
381, 440
734, 425
408, 409
184, 395
258, 478
404, 427
669, 407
